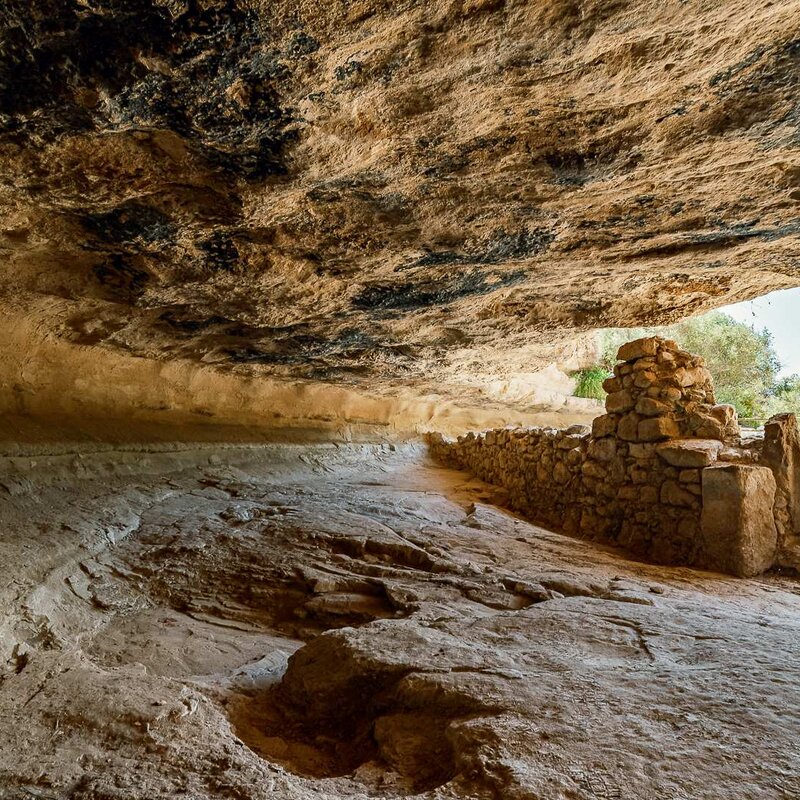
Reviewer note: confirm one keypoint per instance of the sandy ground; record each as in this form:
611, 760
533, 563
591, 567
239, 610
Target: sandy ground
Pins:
327, 621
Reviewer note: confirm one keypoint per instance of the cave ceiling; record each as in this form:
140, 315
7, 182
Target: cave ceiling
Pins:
391, 192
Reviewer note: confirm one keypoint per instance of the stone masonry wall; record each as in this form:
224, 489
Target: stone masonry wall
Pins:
635, 478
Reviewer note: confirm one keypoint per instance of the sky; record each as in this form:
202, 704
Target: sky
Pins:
779, 313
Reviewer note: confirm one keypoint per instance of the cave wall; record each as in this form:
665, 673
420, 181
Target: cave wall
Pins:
51, 389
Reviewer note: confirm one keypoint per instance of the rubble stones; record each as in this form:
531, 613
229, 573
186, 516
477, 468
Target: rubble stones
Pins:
662, 382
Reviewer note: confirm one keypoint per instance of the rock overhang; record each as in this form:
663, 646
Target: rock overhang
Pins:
391, 195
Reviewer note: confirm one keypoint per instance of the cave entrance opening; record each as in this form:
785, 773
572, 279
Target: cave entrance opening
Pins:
751, 349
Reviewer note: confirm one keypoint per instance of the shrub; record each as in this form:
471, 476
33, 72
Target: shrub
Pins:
590, 383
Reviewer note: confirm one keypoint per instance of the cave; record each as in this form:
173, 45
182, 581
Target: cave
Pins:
296, 497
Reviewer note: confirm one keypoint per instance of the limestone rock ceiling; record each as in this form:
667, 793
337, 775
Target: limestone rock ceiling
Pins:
392, 192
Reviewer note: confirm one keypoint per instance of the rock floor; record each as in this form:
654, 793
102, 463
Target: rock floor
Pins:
353, 622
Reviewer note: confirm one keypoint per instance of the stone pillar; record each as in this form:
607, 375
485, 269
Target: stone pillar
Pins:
737, 527
662, 392
781, 452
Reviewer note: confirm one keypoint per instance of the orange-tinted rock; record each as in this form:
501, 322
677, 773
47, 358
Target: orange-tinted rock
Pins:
656, 428
640, 348
689, 452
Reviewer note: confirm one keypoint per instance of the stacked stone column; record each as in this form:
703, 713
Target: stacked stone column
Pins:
662, 392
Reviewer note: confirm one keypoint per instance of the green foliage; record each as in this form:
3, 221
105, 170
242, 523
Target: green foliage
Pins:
590, 383
741, 360
785, 396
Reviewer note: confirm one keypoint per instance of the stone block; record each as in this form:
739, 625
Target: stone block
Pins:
656, 428
628, 427
639, 348
561, 473
736, 456
605, 425
648, 407
689, 453
648, 495
603, 449
725, 413
705, 426
578, 430
673, 494
682, 377
737, 530
619, 401
611, 385
617, 470
573, 457
641, 450
593, 470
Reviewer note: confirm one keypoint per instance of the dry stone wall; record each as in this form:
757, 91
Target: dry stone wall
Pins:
637, 477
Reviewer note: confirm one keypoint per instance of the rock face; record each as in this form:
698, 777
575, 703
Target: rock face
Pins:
683, 500
390, 194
